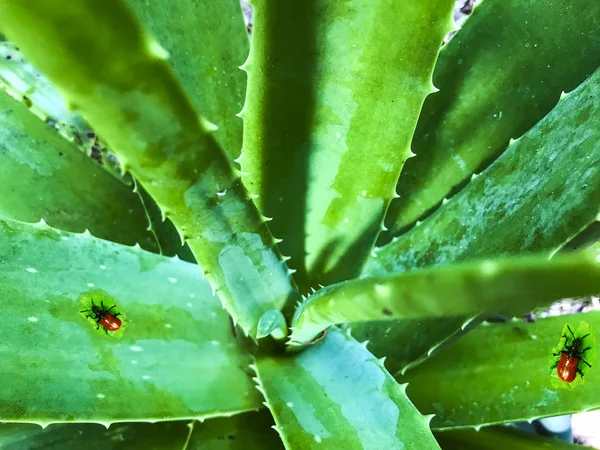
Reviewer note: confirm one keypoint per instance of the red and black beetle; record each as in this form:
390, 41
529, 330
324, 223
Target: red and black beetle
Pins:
567, 366
104, 317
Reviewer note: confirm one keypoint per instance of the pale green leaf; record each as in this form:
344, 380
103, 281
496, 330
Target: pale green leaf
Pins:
500, 373
177, 357
542, 191
46, 177
510, 286
337, 395
138, 106
500, 74
329, 116
207, 41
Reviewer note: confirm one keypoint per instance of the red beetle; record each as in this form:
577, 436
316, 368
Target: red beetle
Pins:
103, 316
567, 367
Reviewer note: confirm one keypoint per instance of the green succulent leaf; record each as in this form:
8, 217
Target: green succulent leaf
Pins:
132, 436
140, 109
248, 431
178, 357
331, 129
406, 343
46, 177
500, 74
338, 395
499, 373
501, 438
537, 196
207, 42
272, 323
510, 286
167, 236
25, 82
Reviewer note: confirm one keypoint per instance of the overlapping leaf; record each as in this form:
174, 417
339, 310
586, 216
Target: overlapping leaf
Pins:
501, 73
329, 116
137, 105
499, 373
338, 395
177, 358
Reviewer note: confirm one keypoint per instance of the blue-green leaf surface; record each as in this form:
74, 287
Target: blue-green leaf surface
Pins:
338, 395
177, 357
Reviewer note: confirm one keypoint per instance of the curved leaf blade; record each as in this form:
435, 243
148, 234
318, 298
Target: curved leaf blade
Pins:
499, 75
331, 129
407, 343
177, 358
513, 382
500, 438
509, 286
542, 191
46, 177
338, 395
194, 34
137, 105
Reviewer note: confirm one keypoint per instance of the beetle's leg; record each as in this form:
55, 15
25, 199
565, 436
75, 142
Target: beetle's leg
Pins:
584, 361
580, 372
555, 364
558, 354
86, 310
585, 350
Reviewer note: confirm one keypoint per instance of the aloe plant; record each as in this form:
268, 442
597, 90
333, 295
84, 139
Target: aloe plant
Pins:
264, 302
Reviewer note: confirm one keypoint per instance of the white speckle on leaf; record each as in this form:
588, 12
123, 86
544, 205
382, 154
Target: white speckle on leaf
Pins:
317, 439
135, 348
31, 270
168, 325
32, 319
146, 377
213, 314
222, 193
91, 284
102, 267
192, 295
290, 404
172, 280
345, 220
215, 342
101, 396
364, 193
133, 361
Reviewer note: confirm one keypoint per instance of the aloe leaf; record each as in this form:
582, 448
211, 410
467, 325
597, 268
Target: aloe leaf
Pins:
46, 177
499, 75
248, 431
501, 438
406, 343
134, 436
325, 139
207, 42
137, 105
167, 236
351, 401
510, 286
178, 357
512, 380
538, 195
19, 77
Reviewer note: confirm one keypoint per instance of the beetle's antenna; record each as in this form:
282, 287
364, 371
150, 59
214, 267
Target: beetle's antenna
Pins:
571, 330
